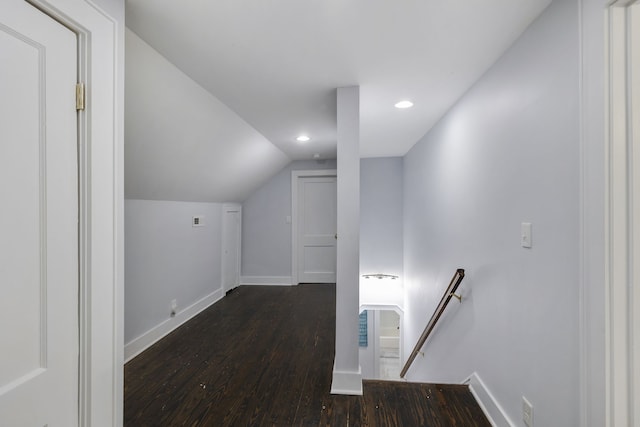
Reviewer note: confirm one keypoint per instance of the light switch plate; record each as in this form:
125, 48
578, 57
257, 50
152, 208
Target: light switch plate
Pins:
525, 234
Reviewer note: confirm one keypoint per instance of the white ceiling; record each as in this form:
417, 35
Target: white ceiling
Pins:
277, 63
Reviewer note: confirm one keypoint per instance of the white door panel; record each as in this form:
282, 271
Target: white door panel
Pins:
317, 226
38, 220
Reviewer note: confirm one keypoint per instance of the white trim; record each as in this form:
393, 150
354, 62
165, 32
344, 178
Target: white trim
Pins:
634, 140
487, 402
101, 207
393, 307
266, 280
349, 383
295, 175
591, 293
622, 324
155, 334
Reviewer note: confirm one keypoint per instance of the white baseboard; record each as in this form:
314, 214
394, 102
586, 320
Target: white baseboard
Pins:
490, 406
146, 340
345, 382
266, 280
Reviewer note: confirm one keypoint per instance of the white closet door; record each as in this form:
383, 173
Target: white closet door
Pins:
38, 220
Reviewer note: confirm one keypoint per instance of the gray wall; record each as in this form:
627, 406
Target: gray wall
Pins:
266, 236
507, 152
381, 215
167, 258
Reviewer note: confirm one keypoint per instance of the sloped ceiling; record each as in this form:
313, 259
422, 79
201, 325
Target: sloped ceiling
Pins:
181, 142
276, 64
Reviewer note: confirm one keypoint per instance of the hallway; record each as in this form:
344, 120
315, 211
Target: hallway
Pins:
264, 356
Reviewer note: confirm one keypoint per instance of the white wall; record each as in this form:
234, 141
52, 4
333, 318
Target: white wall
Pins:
507, 152
381, 225
182, 143
166, 259
266, 236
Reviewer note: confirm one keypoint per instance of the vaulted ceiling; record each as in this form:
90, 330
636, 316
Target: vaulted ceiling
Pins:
275, 65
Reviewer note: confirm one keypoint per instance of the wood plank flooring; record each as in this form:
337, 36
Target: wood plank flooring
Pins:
263, 356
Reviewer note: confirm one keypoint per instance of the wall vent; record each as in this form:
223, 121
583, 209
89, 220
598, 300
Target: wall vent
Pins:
197, 221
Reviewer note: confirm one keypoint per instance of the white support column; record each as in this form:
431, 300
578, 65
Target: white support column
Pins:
347, 377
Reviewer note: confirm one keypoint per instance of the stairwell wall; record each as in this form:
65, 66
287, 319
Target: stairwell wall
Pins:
508, 152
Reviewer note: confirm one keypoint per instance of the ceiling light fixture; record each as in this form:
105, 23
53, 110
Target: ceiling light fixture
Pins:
303, 138
404, 104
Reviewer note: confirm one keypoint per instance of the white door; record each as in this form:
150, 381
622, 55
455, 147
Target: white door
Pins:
38, 220
317, 225
231, 229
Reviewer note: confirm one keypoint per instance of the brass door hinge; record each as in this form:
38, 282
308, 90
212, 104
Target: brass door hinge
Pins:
80, 96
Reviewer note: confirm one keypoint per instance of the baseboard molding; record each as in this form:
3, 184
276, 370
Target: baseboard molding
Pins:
346, 382
490, 406
146, 340
266, 280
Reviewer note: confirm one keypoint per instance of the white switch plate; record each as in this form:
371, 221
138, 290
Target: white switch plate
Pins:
525, 234
527, 412
287, 219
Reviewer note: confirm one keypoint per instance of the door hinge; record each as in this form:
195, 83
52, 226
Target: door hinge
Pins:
80, 96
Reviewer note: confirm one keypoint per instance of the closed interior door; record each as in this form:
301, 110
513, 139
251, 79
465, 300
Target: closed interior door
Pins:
231, 248
317, 225
38, 220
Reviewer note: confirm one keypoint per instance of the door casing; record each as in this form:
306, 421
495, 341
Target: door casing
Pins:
101, 205
295, 175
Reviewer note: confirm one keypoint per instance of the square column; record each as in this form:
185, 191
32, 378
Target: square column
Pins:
347, 377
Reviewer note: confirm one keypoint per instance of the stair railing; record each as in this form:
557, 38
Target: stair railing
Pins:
450, 292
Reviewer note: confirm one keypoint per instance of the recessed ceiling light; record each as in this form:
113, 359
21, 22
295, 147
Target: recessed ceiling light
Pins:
404, 104
303, 138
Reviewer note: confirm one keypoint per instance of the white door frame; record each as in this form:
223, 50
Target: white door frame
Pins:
231, 207
101, 206
295, 176
622, 216
376, 351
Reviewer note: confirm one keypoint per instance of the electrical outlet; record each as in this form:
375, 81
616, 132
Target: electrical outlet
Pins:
174, 306
527, 412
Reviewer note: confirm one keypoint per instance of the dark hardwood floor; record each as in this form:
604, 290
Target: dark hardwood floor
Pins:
263, 356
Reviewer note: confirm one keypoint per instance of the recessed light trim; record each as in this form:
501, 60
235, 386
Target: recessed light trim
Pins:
303, 138
404, 104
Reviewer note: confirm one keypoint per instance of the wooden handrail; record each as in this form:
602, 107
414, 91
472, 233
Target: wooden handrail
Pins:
450, 292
